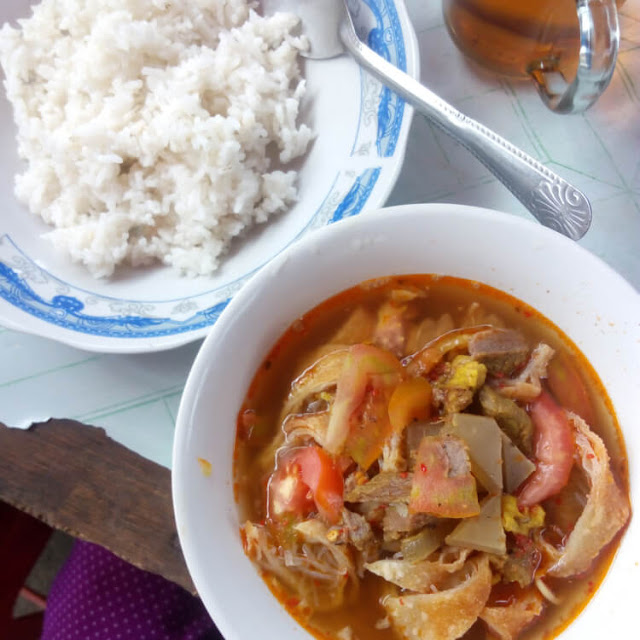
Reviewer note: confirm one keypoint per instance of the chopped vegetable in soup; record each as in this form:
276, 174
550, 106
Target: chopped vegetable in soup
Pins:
426, 458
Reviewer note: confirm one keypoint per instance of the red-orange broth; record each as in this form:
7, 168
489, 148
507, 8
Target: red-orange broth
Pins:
306, 339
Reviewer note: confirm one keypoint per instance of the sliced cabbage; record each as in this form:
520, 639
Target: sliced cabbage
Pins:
517, 467
321, 375
484, 439
428, 330
484, 532
358, 327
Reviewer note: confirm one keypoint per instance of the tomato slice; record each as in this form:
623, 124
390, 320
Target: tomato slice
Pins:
323, 477
554, 445
369, 428
435, 489
357, 424
286, 493
305, 480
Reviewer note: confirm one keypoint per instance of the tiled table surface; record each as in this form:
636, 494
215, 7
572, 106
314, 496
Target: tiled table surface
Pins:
135, 397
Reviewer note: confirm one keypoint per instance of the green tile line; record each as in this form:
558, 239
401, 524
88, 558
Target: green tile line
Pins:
529, 129
434, 135
125, 405
107, 414
475, 96
611, 196
468, 187
627, 81
536, 143
433, 27
606, 151
626, 50
631, 18
168, 408
630, 194
624, 13
622, 188
47, 372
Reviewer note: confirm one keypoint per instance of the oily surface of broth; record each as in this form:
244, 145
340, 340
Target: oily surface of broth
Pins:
300, 346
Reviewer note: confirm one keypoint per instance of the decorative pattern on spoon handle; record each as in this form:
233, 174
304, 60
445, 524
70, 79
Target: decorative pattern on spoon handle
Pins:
561, 207
552, 200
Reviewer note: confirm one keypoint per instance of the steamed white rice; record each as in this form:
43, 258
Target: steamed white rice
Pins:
149, 126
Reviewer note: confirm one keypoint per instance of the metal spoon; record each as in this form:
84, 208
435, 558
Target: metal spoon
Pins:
552, 200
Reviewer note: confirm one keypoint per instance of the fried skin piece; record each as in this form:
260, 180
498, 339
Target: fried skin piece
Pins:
443, 615
605, 512
507, 622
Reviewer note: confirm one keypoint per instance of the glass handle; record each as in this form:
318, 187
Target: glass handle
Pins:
599, 40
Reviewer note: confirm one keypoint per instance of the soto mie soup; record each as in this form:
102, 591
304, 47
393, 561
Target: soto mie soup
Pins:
428, 458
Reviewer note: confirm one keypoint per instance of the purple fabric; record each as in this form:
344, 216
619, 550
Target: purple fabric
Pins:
97, 596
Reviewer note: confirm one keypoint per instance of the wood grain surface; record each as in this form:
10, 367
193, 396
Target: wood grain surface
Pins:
75, 478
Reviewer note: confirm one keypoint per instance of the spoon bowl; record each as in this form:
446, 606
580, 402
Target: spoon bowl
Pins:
319, 23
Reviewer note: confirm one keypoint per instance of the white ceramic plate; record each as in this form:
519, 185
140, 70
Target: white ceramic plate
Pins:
574, 289
361, 132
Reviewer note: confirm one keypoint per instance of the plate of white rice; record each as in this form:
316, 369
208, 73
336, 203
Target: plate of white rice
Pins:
157, 153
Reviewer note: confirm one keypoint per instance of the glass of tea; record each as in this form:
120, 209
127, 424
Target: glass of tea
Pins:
568, 47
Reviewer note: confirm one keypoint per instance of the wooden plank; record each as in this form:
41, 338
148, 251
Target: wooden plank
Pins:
75, 478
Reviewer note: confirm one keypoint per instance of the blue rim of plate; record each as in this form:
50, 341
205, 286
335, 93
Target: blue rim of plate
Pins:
65, 307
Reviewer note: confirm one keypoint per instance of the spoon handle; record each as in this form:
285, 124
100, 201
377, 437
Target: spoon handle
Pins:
552, 200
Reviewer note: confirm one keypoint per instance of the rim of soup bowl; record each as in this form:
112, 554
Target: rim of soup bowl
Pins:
577, 291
